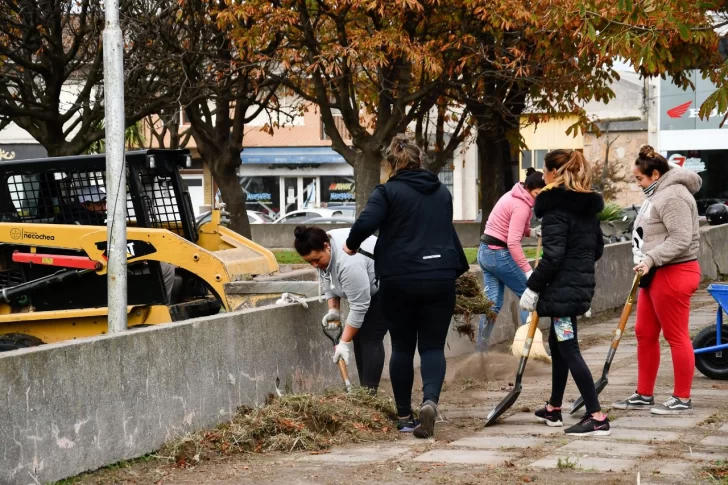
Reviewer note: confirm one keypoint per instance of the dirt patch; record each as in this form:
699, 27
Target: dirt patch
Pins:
494, 366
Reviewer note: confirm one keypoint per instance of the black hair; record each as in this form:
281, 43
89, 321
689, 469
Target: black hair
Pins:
534, 180
529, 171
309, 238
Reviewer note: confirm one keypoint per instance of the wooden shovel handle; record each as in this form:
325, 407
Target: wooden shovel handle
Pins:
626, 311
534, 316
344, 370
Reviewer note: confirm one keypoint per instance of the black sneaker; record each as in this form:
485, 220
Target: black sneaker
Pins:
588, 426
407, 425
635, 401
551, 418
426, 426
674, 405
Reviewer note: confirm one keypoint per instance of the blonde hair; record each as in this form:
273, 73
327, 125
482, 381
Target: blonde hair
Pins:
572, 170
403, 154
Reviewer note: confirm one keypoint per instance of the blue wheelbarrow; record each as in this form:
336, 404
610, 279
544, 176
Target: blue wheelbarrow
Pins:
711, 344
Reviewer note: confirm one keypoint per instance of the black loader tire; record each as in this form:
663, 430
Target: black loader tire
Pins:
15, 341
709, 364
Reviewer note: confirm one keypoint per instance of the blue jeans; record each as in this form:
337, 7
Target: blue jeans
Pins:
499, 271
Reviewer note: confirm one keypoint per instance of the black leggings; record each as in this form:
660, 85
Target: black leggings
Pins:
369, 345
419, 312
565, 357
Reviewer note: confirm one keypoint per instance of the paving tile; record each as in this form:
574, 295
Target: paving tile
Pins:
645, 435
721, 441
588, 463
466, 457
528, 418
491, 442
706, 455
357, 455
650, 421
676, 469
606, 448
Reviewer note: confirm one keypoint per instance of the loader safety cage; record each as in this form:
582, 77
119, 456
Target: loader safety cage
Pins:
51, 190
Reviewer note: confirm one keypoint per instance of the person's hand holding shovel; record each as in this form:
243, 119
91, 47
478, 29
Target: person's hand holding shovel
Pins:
343, 351
331, 319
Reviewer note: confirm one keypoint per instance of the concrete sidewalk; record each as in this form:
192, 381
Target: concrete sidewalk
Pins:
670, 449
658, 450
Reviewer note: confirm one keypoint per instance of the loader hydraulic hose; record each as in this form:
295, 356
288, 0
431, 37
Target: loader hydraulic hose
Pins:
24, 288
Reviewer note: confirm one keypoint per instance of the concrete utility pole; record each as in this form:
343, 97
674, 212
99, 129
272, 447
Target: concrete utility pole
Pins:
115, 167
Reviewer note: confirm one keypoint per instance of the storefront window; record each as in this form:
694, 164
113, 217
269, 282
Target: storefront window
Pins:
712, 166
263, 194
337, 190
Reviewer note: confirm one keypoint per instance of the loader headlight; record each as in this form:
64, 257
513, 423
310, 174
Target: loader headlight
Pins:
150, 160
188, 161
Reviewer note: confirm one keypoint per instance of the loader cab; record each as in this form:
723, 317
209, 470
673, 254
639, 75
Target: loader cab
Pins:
70, 190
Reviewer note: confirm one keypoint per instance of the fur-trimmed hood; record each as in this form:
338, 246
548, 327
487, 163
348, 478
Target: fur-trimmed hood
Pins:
578, 203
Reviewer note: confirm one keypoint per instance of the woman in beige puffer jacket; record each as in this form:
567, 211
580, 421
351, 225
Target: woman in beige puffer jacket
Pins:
665, 244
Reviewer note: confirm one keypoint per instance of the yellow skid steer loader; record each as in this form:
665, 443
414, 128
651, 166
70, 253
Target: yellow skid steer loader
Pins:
53, 248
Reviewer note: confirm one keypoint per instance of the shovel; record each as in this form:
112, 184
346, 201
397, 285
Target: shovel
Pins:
512, 396
604, 380
342, 365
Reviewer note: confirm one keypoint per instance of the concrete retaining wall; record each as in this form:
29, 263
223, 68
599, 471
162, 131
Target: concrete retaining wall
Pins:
80, 405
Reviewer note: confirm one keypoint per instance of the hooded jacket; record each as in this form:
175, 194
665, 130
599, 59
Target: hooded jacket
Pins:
510, 221
572, 243
667, 228
413, 212
350, 277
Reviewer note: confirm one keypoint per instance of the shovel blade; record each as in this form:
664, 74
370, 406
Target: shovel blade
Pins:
599, 386
504, 405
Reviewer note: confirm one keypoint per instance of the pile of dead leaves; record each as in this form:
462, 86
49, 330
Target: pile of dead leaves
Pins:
470, 301
290, 423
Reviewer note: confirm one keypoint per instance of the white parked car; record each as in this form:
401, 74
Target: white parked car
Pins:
303, 215
254, 217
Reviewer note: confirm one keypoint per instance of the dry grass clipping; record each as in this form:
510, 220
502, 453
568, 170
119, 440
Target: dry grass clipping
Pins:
470, 301
290, 423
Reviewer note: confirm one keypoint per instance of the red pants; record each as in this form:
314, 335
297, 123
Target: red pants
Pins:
665, 306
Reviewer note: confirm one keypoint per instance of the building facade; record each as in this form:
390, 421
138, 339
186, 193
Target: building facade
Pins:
677, 131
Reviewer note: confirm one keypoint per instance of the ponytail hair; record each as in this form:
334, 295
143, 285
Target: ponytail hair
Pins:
403, 154
572, 170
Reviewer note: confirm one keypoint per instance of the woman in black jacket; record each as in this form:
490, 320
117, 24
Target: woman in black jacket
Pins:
562, 286
417, 258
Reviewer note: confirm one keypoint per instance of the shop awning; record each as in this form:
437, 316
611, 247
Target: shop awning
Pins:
290, 155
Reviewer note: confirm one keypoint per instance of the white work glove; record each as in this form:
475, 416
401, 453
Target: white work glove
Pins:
343, 351
331, 320
536, 232
588, 313
529, 273
529, 300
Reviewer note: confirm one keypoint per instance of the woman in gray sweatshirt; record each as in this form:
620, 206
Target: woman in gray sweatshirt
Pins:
665, 244
351, 278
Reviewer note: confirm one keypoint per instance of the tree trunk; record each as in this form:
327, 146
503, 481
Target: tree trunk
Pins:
226, 177
366, 177
492, 159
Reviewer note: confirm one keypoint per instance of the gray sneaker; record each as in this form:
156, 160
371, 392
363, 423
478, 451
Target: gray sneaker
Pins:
673, 405
426, 426
635, 401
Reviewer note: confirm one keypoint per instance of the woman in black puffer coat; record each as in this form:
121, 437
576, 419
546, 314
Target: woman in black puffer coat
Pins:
562, 286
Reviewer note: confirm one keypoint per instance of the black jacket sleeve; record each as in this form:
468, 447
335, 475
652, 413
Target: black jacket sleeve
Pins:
370, 219
600, 244
555, 231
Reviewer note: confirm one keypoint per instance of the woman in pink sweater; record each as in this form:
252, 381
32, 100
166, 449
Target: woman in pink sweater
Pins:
500, 255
